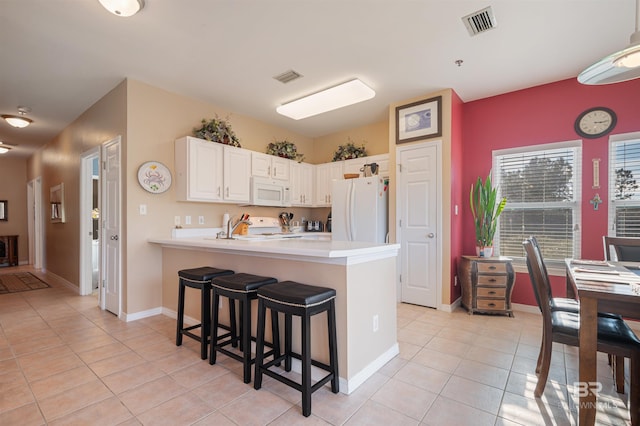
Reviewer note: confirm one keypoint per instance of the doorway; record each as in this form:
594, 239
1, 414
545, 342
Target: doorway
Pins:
418, 204
34, 222
90, 222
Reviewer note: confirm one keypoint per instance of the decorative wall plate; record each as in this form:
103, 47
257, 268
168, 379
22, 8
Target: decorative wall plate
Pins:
154, 177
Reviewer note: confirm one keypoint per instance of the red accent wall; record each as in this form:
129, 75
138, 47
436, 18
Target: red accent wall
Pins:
457, 192
540, 115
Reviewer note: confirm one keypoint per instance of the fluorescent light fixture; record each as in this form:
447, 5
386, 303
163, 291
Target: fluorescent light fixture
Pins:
619, 66
123, 8
17, 121
339, 96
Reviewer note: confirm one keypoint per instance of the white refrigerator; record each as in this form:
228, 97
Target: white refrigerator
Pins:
359, 209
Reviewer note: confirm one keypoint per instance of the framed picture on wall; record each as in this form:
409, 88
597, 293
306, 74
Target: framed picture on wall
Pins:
419, 120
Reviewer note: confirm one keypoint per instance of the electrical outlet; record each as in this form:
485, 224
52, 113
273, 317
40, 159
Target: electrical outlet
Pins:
200, 220
376, 323
455, 281
143, 209
221, 303
176, 220
187, 220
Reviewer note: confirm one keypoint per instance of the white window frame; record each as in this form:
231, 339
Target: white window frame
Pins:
554, 267
613, 139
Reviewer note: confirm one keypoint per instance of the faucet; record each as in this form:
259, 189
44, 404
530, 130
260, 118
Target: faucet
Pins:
231, 228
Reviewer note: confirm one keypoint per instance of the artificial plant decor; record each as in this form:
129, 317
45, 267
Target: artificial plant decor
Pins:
284, 149
217, 130
485, 208
349, 151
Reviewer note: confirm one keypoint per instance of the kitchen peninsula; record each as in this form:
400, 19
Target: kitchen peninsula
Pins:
363, 275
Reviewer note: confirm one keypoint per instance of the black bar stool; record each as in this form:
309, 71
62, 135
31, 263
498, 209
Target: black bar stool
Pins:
302, 300
200, 279
243, 288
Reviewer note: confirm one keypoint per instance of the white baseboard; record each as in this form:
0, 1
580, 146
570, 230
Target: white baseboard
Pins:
452, 307
64, 282
174, 315
143, 314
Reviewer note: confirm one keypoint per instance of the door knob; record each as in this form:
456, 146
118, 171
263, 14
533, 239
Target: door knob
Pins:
431, 235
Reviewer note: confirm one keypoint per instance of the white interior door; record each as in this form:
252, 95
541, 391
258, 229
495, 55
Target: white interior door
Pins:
34, 222
419, 223
111, 224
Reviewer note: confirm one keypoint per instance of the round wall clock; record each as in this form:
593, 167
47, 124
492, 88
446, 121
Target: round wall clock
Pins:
595, 122
154, 177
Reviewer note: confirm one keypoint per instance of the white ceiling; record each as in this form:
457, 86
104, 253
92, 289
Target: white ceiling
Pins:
60, 56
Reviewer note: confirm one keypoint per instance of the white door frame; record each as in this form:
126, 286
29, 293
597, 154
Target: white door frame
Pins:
399, 214
86, 225
34, 222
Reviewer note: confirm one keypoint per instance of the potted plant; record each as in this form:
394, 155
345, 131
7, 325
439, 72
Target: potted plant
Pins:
284, 149
349, 151
217, 130
485, 208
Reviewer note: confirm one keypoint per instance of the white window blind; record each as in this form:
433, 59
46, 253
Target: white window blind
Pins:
542, 186
624, 187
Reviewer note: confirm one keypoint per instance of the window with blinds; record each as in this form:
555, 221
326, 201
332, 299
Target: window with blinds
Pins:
624, 187
542, 185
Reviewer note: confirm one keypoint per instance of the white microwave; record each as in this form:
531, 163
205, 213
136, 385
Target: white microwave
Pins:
270, 192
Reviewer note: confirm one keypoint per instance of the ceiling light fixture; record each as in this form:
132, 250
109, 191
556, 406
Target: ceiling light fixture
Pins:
20, 120
123, 8
335, 97
3, 149
619, 66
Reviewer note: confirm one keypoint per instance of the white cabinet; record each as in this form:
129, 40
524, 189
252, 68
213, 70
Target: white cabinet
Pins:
269, 166
302, 175
198, 168
237, 174
354, 165
211, 172
325, 174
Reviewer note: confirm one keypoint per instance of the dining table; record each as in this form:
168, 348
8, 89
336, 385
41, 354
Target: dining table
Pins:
603, 286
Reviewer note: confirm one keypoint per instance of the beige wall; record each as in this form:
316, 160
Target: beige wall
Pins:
445, 182
373, 136
59, 162
13, 175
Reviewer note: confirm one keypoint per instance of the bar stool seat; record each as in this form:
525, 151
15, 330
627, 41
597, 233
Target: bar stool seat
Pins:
200, 279
243, 288
302, 300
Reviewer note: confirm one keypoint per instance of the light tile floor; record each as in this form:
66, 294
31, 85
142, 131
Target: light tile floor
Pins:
64, 361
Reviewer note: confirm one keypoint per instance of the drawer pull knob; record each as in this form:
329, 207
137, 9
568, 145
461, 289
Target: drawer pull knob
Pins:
492, 280
492, 292
492, 304
492, 267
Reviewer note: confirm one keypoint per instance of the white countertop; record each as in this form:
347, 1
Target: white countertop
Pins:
348, 252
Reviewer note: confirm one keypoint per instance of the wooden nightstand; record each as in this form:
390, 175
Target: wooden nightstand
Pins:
487, 283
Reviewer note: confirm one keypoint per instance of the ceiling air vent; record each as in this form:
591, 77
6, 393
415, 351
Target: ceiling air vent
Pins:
480, 21
287, 76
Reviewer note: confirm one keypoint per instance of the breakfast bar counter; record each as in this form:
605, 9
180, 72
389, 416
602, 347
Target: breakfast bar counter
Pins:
363, 275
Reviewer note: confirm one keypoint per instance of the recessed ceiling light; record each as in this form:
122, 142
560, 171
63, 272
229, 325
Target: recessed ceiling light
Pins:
335, 97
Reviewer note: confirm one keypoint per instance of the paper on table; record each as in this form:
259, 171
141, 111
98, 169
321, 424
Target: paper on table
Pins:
605, 278
590, 262
596, 271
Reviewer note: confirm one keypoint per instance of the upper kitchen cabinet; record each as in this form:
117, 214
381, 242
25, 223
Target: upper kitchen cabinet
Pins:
355, 165
301, 183
237, 174
269, 166
211, 172
198, 168
325, 174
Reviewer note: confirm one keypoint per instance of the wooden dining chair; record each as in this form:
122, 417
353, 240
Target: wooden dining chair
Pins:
626, 249
614, 335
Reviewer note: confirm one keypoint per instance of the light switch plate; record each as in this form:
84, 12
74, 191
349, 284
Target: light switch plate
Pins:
187, 220
200, 220
143, 209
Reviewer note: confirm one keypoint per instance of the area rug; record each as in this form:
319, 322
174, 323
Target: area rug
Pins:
20, 281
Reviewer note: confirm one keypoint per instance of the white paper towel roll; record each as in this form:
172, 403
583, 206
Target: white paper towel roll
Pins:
225, 220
